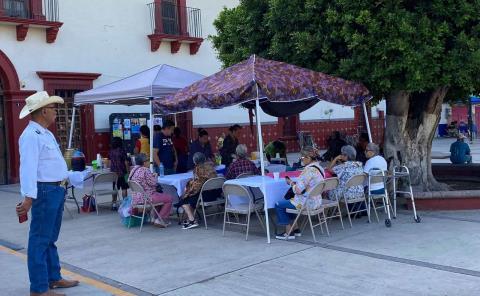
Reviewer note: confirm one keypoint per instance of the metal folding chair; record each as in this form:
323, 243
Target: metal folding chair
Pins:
334, 205
357, 180
100, 179
147, 203
305, 211
378, 176
242, 209
211, 184
245, 175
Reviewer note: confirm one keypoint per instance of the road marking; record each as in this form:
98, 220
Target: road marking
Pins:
83, 279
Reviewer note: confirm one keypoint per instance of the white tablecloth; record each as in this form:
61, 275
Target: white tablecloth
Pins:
177, 180
274, 189
78, 179
181, 180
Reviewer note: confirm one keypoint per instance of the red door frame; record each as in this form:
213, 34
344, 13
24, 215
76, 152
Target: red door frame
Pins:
82, 81
14, 100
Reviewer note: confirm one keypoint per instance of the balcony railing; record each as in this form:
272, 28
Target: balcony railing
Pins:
167, 18
21, 9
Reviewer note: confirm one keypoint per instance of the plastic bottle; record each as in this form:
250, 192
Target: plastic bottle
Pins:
161, 170
99, 161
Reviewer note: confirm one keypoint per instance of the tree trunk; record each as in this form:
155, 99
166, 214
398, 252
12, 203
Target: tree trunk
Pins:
411, 122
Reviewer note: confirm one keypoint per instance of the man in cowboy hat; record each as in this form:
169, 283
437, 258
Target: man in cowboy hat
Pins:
42, 170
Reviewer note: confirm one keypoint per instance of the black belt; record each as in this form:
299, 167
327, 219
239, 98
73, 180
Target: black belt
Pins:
51, 183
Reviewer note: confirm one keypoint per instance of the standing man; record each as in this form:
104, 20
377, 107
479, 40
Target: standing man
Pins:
202, 145
230, 144
42, 170
163, 150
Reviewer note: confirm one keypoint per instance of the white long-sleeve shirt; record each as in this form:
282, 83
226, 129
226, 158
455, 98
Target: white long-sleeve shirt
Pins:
40, 159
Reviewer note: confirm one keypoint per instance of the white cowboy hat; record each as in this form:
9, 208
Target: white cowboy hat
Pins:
38, 100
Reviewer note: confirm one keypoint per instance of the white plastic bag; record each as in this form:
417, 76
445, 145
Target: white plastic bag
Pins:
125, 209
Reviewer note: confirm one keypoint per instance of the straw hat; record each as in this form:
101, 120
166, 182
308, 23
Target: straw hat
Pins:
37, 101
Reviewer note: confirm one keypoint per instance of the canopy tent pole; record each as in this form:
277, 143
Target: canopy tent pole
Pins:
151, 133
262, 163
72, 124
367, 122
175, 118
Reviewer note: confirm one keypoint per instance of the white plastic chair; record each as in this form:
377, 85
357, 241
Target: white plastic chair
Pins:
147, 203
210, 184
104, 178
316, 192
241, 209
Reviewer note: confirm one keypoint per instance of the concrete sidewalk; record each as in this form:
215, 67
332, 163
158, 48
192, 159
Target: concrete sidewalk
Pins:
440, 256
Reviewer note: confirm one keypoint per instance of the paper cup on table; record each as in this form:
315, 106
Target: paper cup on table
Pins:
276, 175
277, 155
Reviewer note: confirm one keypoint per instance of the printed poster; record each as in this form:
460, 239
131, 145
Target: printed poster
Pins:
157, 121
135, 126
117, 130
126, 123
127, 135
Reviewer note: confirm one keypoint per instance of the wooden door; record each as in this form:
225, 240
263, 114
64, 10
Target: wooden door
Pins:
64, 119
170, 17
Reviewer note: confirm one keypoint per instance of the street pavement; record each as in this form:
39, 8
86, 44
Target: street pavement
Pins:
439, 256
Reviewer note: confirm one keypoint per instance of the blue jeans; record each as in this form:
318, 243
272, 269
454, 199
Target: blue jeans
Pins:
283, 217
43, 261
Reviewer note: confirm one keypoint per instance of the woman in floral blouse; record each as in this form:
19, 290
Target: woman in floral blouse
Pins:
203, 171
345, 166
311, 176
148, 180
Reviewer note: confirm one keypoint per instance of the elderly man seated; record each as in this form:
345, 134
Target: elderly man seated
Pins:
460, 151
242, 165
375, 161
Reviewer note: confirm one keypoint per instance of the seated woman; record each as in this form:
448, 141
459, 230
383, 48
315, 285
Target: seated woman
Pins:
345, 166
311, 176
202, 171
242, 165
148, 180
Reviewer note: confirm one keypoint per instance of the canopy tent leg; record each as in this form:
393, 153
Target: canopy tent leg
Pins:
367, 122
151, 134
72, 124
262, 164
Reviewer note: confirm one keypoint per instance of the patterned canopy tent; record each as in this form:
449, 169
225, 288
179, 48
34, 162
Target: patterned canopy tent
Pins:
269, 81
278, 88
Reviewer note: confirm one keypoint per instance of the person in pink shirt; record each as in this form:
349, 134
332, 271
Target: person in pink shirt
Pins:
148, 180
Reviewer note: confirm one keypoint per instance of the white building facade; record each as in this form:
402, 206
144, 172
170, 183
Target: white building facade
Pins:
67, 46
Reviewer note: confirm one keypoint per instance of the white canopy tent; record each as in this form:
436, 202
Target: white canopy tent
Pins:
138, 89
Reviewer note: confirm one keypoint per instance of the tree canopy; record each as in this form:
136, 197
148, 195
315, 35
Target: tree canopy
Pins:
413, 46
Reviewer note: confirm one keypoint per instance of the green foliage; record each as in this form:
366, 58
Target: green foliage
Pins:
411, 45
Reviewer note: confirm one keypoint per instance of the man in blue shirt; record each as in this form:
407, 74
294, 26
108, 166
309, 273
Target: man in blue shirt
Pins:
163, 150
460, 151
202, 144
